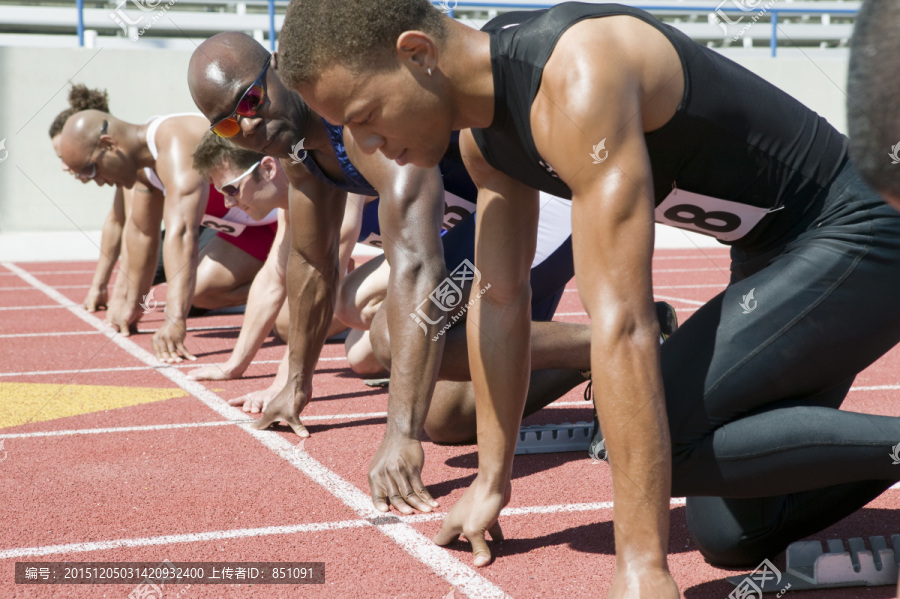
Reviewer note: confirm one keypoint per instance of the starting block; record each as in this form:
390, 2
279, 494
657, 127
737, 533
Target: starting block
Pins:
555, 438
808, 566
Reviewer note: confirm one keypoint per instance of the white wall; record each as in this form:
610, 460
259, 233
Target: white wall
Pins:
35, 195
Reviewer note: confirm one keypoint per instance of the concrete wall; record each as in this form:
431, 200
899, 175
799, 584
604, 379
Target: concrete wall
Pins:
35, 195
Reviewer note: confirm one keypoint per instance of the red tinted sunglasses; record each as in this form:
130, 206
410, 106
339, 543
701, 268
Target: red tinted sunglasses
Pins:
248, 105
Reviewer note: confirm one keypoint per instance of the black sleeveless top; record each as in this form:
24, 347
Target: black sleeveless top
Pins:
735, 137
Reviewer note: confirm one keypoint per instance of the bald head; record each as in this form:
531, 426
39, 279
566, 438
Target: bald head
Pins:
80, 134
223, 66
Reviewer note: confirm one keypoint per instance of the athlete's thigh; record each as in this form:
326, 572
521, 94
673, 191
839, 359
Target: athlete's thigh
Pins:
225, 266
821, 312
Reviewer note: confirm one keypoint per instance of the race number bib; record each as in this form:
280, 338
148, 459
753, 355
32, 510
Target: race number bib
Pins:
724, 220
456, 209
222, 226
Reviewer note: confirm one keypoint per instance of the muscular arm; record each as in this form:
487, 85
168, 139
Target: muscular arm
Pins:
612, 232
264, 301
141, 243
410, 213
185, 203
499, 339
316, 214
110, 245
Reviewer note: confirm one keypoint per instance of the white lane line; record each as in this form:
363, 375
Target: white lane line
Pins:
95, 332
48, 335
876, 388
441, 561
239, 533
51, 272
48, 307
570, 314
120, 429
154, 367
163, 427
196, 537
27, 288
314, 418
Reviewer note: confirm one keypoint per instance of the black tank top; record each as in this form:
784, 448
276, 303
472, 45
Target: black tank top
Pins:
734, 137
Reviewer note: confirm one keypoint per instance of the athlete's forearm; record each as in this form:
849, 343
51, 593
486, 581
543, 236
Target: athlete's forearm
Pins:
632, 410
110, 246
264, 301
180, 261
499, 354
140, 255
416, 345
311, 297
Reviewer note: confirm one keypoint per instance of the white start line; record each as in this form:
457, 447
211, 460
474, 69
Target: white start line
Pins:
461, 576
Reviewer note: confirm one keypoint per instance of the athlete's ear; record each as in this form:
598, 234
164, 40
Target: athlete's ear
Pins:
269, 167
418, 50
107, 143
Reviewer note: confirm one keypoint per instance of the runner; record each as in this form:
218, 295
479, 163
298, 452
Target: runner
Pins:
154, 161
229, 68
668, 130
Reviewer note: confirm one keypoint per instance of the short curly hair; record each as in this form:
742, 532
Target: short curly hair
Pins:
359, 34
213, 151
81, 97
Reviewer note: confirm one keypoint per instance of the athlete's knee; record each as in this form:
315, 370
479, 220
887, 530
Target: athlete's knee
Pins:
381, 339
724, 551
451, 417
446, 432
345, 305
360, 355
723, 540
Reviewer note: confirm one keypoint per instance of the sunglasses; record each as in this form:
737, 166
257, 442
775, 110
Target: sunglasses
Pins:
232, 188
248, 105
93, 164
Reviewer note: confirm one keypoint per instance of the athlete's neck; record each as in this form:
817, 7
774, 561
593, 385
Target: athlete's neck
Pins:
314, 132
137, 147
465, 59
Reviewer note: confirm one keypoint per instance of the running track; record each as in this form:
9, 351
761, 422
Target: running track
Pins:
107, 456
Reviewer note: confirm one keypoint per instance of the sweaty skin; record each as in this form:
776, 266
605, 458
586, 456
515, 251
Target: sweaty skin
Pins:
315, 210
97, 297
120, 156
257, 196
612, 238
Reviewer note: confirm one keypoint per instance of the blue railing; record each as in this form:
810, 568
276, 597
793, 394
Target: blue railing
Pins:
447, 4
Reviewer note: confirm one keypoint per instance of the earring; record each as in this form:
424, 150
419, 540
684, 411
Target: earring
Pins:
429, 71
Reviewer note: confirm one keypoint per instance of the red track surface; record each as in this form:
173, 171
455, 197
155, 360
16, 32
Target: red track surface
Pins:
137, 485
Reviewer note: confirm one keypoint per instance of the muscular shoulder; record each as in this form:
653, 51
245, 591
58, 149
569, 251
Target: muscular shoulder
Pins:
612, 65
176, 140
184, 131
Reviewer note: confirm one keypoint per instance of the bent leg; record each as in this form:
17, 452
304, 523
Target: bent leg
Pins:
753, 388
224, 275
362, 293
451, 417
735, 533
361, 355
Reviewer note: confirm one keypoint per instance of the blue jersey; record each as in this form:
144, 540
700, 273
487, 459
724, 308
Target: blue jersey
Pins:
460, 192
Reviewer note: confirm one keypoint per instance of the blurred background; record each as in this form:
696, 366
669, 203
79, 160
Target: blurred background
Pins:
138, 51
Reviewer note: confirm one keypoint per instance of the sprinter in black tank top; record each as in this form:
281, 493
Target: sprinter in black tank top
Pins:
635, 122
